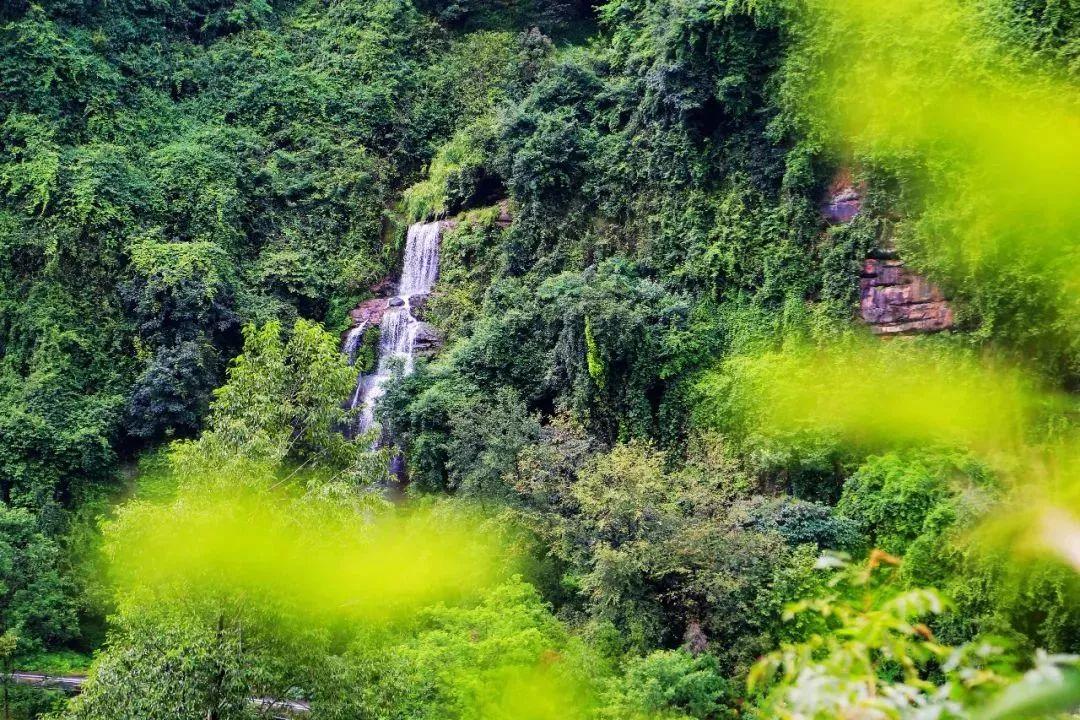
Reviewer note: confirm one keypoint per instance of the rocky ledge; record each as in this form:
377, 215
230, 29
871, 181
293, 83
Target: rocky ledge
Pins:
369, 312
892, 299
895, 301
843, 199
427, 339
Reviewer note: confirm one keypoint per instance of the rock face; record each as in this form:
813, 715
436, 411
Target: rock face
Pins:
387, 287
892, 299
895, 301
694, 640
505, 219
427, 338
843, 200
418, 304
369, 312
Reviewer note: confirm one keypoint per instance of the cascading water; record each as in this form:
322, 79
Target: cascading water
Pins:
352, 341
397, 330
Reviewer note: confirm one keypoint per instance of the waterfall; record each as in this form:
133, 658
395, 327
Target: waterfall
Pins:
397, 330
352, 341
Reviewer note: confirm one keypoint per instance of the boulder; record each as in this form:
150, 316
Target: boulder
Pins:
395, 302
418, 304
427, 339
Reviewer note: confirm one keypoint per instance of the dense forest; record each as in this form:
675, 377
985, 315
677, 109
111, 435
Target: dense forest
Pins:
746, 385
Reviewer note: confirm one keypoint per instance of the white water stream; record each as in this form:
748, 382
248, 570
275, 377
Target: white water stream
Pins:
397, 331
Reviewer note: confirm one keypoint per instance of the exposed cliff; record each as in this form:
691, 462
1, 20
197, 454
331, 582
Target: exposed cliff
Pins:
893, 300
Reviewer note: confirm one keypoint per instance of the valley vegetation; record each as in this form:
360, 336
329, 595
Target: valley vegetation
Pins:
658, 467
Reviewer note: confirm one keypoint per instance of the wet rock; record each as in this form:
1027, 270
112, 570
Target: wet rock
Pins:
418, 305
387, 287
369, 312
395, 301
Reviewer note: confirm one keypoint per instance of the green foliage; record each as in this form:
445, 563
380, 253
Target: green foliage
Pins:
456, 178
507, 13
237, 590
650, 367
367, 355
485, 439
876, 656
33, 174
671, 684
57, 662
629, 318
170, 173
983, 214
460, 662
671, 557
35, 595
896, 499
800, 523
593, 361
470, 255
282, 401
923, 504
141, 677
180, 296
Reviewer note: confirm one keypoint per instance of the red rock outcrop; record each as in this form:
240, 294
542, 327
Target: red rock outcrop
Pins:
369, 311
895, 301
892, 299
843, 200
